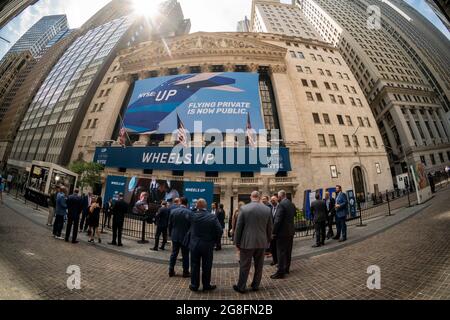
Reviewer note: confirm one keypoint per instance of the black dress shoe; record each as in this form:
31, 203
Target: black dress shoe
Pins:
171, 273
186, 274
120, 245
255, 289
236, 288
193, 288
112, 243
161, 248
316, 246
75, 242
277, 276
210, 288
154, 249
342, 240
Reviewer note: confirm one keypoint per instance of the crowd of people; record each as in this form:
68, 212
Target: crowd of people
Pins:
263, 228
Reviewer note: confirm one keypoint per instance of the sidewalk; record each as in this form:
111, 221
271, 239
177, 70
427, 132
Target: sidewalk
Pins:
227, 256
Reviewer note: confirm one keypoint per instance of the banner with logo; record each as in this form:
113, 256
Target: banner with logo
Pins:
222, 101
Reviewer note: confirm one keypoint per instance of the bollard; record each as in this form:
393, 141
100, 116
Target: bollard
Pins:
389, 204
143, 241
409, 200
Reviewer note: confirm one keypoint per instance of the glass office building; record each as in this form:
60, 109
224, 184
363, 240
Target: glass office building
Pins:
55, 110
38, 36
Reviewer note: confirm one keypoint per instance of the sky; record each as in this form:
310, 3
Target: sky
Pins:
205, 15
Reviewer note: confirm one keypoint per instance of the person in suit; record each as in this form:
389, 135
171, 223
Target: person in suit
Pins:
253, 233
283, 232
341, 214
330, 202
60, 212
52, 206
74, 208
205, 232
87, 202
220, 214
179, 225
118, 211
162, 223
320, 213
273, 242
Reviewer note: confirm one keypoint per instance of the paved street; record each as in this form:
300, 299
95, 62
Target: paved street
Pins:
413, 255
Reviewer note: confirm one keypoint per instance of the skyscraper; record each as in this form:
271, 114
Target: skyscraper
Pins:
442, 9
54, 117
37, 37
406, 85
9, 9
243, 25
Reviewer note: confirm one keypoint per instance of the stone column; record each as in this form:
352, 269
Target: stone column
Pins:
402, 127
390, 136
445, 121
440, 127
424, 129
416, 131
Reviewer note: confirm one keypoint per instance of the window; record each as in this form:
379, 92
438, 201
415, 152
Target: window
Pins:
329, 73
101, 93
340, 120
321, 72
335, 87
309, 96
326, 118
355, 141
422, 159
368, 122
94, 124
322, 142
333, 98
441, 157
308, 70
327, 85
352, 101
433, 160
332, 140
301, 55
374, 142
313, 57
316, 118
293, 55
319, 97
349, 120
299, 69
94, 108
88, 124
366, 139
305, 83
360, 122
314, 83
347, 141
107, 92
341, 100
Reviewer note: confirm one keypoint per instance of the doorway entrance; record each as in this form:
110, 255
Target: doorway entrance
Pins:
359, 183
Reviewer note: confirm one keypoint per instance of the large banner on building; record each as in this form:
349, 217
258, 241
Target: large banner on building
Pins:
156, 190
223, 101
195, 159
423, 188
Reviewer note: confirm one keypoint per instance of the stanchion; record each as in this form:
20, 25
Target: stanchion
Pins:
360, 216
389, 204
409, 200
143, 241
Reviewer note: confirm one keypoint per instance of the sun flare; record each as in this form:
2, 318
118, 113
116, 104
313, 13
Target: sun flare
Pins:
146, 7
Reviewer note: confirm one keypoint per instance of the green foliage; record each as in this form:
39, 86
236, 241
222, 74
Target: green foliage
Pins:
89, 173
300, 215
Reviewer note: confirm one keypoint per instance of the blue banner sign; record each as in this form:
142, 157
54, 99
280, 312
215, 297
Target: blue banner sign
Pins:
195, 159
198, 190
114, 186
222, 101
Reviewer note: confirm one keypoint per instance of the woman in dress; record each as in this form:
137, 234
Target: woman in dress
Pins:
94, 220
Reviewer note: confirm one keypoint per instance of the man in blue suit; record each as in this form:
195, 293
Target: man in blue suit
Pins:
341, 214
179, 225
205, 233
74, 208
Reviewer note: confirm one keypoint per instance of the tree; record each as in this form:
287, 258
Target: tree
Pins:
89, 173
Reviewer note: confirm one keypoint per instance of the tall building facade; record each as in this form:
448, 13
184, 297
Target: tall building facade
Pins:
51, 124
442, 9
243, 25
9, 9
38, 36
306, 91
406, 89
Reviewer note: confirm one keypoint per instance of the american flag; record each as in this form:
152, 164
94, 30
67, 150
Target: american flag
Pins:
251, 134
182, 133
122, 136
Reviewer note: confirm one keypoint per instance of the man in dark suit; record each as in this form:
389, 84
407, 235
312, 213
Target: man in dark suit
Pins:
283, 232
220, 214
253, 234
74, 208
179, 225
162, 223
320, 213
330, 202
86, 200
118, 211
273, 242
205, 232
